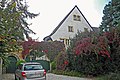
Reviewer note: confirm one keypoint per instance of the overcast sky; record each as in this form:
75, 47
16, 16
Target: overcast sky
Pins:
52, 13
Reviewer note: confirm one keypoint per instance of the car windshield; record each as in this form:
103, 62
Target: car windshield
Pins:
33, 67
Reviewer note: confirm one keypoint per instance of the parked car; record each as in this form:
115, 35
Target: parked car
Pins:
30, 71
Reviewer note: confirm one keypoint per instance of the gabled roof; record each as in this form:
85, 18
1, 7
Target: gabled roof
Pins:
65, 19
49, 36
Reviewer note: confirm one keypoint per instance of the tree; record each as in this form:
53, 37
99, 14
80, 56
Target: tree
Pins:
13, 25
16, 12
111, 16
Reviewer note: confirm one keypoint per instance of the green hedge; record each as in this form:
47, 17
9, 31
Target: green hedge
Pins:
68, 73
111, 76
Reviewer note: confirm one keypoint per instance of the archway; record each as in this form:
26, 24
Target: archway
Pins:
12, 65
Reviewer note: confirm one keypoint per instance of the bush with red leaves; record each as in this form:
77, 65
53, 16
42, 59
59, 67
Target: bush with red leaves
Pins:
95, 54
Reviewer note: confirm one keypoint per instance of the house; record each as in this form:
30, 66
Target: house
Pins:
73, 22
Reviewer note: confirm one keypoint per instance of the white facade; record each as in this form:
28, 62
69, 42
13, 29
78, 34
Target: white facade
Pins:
74, 20
44, 57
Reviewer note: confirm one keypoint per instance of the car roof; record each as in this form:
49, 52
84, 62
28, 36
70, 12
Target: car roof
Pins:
30, 63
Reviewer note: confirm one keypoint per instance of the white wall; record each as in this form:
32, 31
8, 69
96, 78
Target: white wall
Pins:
62, 32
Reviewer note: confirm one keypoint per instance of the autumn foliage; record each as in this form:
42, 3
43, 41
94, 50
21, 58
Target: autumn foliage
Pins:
62, 61
93, 54
50, 49
27, 46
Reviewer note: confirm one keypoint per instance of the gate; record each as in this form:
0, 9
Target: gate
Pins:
12, 65
44, 63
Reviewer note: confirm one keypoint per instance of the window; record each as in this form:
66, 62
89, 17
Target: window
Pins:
32, 67
76, 17
67, 41
86, 29
70, 28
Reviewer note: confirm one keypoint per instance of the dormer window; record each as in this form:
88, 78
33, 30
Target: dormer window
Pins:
70, 29
76, 18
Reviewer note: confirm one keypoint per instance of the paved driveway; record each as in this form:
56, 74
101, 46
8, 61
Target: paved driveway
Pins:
8, 77
50, 76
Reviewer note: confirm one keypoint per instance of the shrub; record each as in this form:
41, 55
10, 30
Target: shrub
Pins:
19, 62
61, 61
53, 65
95, 55
111, 76
68, 73
114, 76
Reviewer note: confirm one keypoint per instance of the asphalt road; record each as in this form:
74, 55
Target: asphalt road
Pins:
50, 76
61, 77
